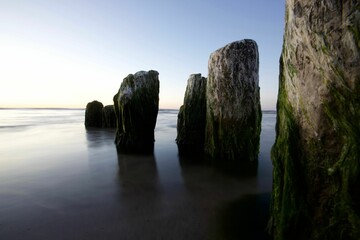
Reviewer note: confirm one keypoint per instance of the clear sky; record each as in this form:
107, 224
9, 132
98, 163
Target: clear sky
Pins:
66, 53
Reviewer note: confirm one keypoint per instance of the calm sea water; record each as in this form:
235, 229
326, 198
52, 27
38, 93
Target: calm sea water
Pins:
61, 181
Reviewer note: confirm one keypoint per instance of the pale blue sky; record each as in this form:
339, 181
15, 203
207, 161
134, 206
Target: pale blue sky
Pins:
65, 53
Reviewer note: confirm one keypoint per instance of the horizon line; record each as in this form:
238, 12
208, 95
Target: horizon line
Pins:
77, 108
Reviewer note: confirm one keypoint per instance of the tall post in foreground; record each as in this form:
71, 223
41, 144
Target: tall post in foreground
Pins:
316, 155
233, 115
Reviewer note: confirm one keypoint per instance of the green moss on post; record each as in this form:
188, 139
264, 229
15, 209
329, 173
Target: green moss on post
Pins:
93, 114
191, 118
136, 107
233, 116
356, 33
316, 154
288, 210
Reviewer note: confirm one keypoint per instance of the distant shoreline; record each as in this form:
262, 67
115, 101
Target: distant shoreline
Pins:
40, 108
55, 108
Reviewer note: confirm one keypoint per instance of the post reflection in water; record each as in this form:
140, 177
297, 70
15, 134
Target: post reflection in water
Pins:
231, 204
99, 137
163, 195
138, 175
139, 194
212, 194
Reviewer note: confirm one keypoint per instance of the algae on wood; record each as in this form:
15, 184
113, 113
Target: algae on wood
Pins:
108, 117
93, 114
191, 117
136, 108
316, 152
233, 117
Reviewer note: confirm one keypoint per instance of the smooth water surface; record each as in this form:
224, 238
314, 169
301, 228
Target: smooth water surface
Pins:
59, 180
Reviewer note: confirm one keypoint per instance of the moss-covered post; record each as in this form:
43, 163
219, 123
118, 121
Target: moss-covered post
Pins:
93, 114
136, 108
316, 155
191, 117
233, 115
108, 117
